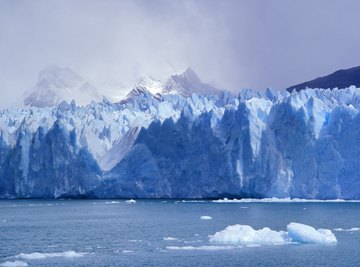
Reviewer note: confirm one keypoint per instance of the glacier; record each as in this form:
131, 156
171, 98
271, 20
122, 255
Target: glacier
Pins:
185, 141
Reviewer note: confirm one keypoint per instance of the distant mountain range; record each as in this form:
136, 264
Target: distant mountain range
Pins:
339, 79
56, 84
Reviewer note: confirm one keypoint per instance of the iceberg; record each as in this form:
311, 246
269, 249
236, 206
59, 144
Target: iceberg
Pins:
242, 235
245, 235
302, 233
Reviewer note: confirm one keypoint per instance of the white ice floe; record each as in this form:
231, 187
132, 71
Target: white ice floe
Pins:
201, 247
40, 256
303, 233
205, 217
246, 235
130, 201
169, 238
112, 202
191, 201
353, 229
13, 264
296, 233
274, 199
127, 251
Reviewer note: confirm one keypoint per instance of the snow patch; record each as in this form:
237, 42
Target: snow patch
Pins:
205, 217
130, 201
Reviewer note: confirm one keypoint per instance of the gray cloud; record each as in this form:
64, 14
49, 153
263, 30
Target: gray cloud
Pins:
231, 43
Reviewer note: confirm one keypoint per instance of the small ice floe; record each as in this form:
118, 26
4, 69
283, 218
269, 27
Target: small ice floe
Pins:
112, 202
13, 264
127, 251
205, 217
40, 256
130, 201
274, 199
200, 247
135, 240
169, 238
354, 229
191, 201
296, 233
253, 246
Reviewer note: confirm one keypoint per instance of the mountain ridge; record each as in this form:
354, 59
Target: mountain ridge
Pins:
339, 79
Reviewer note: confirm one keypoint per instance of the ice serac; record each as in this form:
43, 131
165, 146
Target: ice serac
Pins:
186, 145
56, 84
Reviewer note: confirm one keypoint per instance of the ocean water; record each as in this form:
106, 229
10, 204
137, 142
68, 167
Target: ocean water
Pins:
116, 233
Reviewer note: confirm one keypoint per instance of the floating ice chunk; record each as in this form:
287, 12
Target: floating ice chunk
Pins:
296, 232
246, 235
253, 245
274, 199
127, 251
40, 256
205, 217
112, 202
303, 233
191, 201
353, 229
130, 201
200, 247
169, 238
13, 264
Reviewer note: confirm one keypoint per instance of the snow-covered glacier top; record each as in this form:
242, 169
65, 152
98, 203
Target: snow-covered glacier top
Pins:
183, 142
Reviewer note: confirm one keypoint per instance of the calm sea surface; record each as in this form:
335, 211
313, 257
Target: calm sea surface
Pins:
115, 233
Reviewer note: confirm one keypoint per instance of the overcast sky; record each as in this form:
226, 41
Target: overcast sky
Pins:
230, 43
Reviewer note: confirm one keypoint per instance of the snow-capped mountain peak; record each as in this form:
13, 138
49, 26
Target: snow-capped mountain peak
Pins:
56, 84
187, 83
150, 84
137, 91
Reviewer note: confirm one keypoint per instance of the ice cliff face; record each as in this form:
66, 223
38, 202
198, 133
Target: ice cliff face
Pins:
193, 145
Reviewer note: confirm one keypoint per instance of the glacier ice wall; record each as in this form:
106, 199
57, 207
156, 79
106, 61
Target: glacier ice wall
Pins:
303, 145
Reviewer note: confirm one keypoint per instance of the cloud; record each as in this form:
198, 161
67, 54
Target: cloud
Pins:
232, 44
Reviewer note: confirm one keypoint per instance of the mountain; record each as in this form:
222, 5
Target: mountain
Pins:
56, 84
187, 83
299, 145
339, 79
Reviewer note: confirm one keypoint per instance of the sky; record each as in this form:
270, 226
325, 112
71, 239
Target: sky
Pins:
231, 44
